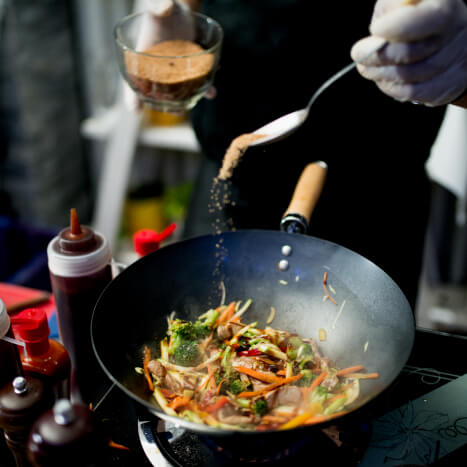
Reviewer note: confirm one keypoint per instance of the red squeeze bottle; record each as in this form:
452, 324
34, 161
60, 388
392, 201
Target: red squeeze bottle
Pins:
42, 358
10, 362
79, 262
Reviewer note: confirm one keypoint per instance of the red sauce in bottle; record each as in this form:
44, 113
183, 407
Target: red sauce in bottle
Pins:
43, 358
80, 268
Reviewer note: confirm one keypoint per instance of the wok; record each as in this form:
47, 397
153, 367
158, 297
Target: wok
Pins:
372, 323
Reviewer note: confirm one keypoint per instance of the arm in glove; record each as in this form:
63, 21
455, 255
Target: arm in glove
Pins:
426, 57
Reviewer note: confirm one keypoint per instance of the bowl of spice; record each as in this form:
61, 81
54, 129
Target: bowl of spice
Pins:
171, 71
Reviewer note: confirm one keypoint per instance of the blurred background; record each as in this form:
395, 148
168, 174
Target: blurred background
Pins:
60, 111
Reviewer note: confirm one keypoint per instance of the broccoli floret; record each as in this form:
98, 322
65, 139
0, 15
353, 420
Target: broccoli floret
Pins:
182, 329
187, 354
306, 379
201, 330
236, 386
209, 318
260, 407
185, 332
319, 394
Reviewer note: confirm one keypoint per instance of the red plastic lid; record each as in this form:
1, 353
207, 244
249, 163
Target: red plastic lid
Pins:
146, 241
31, 325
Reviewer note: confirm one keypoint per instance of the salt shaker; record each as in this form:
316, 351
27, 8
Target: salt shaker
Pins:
79, 261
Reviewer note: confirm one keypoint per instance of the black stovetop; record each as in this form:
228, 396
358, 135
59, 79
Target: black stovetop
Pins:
437, 359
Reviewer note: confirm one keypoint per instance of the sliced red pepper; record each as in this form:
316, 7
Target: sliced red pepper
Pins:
221, 401
250, 353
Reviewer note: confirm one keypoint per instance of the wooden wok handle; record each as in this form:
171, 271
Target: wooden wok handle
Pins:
305, 197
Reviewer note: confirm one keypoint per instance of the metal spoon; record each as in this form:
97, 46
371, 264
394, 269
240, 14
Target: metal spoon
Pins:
287, 124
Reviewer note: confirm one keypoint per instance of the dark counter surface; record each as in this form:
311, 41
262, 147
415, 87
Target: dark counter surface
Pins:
442, 352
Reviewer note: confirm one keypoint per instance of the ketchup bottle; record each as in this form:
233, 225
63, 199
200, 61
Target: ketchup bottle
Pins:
10, 363
43, 358
80, 267
22, 401
66, 435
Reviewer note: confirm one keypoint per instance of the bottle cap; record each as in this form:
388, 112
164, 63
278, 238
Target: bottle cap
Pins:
4, 320
31, 325
146, 241
65, 265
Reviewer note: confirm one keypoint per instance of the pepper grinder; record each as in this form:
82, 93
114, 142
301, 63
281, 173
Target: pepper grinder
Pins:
21, 403
66, 435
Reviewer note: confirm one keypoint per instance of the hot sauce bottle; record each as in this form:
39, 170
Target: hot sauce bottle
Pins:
79, 262
10, 363
42, 357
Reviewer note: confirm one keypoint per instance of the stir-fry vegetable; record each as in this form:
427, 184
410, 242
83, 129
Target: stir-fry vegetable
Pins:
225, 373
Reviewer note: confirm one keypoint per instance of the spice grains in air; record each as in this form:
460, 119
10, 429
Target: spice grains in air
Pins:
235, 152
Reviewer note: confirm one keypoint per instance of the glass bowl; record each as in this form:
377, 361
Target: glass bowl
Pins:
171, 75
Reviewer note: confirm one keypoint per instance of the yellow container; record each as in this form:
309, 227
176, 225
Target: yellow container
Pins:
155, 118
145, 214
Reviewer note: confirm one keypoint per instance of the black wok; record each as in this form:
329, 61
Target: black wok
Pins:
372, 323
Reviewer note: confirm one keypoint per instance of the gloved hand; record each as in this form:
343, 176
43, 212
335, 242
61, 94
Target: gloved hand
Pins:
426, 59
161, 19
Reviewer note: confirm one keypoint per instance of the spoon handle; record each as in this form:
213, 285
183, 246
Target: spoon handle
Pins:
339, 75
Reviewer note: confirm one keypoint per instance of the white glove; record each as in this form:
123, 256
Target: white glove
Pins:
426, 59
161, 19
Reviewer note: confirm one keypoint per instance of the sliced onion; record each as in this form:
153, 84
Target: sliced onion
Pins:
272, 313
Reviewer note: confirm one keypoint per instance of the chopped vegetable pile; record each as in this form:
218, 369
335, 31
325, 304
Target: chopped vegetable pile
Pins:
224, 373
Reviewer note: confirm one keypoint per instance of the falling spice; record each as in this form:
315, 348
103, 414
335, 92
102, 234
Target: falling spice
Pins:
235, 152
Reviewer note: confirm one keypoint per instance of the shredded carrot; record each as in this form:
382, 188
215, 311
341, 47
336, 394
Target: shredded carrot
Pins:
363, 375
207, 341
115, 445
262, 376
281, 373
325, 279
324, 418
350, 369
168, 394
219, 386
217, 405
208, 378
273, 419
147, 358
226, 314
270, 387
179, 401
300, 419
335, 398
318, 381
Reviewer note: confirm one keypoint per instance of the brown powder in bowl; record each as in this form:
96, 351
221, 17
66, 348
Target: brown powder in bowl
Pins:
171, 70
234, 153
